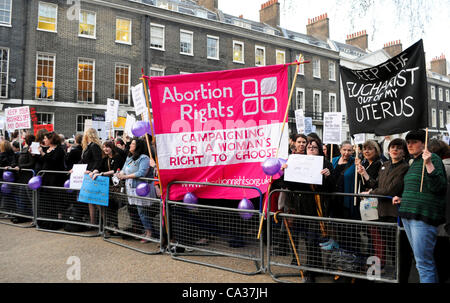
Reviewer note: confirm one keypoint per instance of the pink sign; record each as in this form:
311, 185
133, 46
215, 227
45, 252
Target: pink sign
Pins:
18, 118
219, 127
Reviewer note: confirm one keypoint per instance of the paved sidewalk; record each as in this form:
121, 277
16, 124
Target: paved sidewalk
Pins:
30, 256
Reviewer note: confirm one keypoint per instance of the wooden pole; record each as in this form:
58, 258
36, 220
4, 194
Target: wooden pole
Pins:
143, 78
281, 136
423, 166
331, 153
356, 175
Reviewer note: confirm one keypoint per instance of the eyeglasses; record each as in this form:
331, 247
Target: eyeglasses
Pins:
313, 148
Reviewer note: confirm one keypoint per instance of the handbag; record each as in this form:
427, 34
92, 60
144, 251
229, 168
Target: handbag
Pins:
123, 218
369, 209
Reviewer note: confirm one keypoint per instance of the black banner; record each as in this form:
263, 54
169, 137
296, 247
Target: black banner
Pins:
390, 98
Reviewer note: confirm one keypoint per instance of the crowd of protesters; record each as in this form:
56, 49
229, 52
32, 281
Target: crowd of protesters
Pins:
391, 168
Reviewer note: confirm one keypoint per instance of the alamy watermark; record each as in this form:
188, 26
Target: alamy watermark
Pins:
374, 271
73, 273
73, 13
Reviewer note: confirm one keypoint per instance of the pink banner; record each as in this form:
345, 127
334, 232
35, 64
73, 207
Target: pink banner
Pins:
219, 127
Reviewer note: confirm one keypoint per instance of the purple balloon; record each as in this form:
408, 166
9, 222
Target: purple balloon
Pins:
271, 166
246, 204
8, 176
35, 182
142, 189
190, 198
67, 185
139, 129
6, 189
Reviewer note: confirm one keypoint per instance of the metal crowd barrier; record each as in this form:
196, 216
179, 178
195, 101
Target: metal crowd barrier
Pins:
366, 249
125, 222
58, 209
16, 199
200, 234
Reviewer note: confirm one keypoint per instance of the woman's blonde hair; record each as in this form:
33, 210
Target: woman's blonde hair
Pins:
90, 135
5, 146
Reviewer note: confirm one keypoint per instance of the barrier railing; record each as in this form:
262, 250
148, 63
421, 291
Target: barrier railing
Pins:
200, 234
16, 199
132, 217
58, 211
299, 245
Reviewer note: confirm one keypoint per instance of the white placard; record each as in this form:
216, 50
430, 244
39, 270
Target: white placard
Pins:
446, 139
448, 129
77, 175
131, 120
332, 128
112, 110
139, 101
300, 121
304, 169
18, 118
35, 148
359, 138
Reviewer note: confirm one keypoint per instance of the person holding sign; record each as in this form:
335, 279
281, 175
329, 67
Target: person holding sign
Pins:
422, 211
312, 205
92, 156
137, 166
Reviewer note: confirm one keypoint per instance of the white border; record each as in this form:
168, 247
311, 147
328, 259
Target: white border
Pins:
164, 36
263, 48
10, 17
218, 47
129, 82
192, 42
297, 89
329, 102
56, 18
95, 25
131, 31
243, 51
279, 51
316, 76
93, 79
54, 74
7, 74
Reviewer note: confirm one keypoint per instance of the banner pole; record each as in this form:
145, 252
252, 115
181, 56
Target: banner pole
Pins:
281, 136
423, 166
143, 78
331, 153
356, 175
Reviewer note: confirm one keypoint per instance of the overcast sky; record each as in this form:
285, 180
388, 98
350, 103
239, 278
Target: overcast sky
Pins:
382, 25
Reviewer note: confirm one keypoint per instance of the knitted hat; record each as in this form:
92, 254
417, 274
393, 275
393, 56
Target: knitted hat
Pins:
419, 135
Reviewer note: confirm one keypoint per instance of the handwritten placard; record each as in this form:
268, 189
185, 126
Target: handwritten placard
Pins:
18, 118
77, 175
139, 99
300, 121
304, 169
332, 128
95, 191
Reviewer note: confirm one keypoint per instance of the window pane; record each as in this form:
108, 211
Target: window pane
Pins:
47, 16
122, 83
212, 47
280, 58
85, 80
157, 37
237, 52
5, 11
4, 63
87, 23
45, 76
186, 43
123, 30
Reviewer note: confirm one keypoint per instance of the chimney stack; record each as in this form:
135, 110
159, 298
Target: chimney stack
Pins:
212, 5
270, 13
393, 48
319, 27
439, 65
359, 39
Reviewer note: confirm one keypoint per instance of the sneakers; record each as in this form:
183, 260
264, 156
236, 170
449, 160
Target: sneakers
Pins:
330, 245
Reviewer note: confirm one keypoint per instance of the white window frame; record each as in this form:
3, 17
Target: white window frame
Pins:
183, 31
157, 69
7, 73
76, 122
93, 79
263, 48
329, 102
433, 92
10, 16
129, 82
433, 117
441, 94
163, 48
441, 119
54, 73
448, 116
95, 25
217, 46
301, 67
317, 92
235, 42
297, 102
447, 95
56, 18
46, 113
333, 78
279, 51
130, 32
316, 69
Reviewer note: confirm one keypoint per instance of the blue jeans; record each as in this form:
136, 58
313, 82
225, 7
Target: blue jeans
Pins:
146, 221
422, 238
